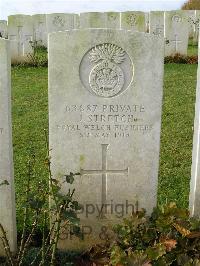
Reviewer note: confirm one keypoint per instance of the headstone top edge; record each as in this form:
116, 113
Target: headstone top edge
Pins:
59, 14
91, 30
20, 15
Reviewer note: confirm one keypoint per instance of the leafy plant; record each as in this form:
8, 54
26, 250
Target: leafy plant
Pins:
39, 56
168, 237
63, 214
181, 59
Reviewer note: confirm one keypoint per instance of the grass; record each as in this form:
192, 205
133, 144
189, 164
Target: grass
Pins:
177, 133
192, 48
30, 118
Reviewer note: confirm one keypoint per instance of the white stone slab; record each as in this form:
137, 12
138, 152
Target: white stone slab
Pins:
197, 23
3, 29
105, 98
133, 20
191, 15
61, 22
20, 33
176, 32
112, 20
156, 24
92, 20
194, 199
147, 21
100, 20
40, 30
7, 194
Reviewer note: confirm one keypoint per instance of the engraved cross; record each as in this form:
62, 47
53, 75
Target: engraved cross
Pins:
104, 171
176, 41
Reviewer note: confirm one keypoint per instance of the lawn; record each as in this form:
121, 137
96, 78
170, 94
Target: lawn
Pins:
30, 118
192, 48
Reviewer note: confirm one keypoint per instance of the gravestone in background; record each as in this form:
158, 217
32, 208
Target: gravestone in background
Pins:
105, 98
61, 22
7, 194
92, 20
112, 20
20, 33
147, 21
194, 200
100, 20
3, 29
40, 30
191, 17
176, 32
156, 24
133, 20
197, 23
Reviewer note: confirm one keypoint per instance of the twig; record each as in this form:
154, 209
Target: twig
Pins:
6, 246
28, 240
23, 237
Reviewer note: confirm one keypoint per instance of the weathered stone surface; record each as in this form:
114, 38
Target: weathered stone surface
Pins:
176, 32
197, 23
100, 20
7, 195
20, 33
147, 21
133, 20
191, 17
156, 23
194, 199
112, 20
3, 29
40, 30
92, 20
105, 98
61, 22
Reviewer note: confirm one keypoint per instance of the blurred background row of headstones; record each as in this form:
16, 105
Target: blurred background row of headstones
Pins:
26, 31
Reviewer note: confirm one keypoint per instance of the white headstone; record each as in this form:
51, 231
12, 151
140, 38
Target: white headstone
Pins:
100, 20
133, 20
61, 22
194, 200
92, 20
105, 98
197, 23
3, 29
147, 21
20, 33
176, 33
40, 30
7, 194
156, 24
112, 20
191, 17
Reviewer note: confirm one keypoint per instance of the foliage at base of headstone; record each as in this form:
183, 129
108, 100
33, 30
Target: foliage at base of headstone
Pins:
181, 59
39, 57
168, 237
50, 222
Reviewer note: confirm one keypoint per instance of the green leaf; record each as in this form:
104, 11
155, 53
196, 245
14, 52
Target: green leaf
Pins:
156, 251
69, 178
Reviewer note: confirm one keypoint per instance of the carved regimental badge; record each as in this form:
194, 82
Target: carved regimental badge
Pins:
176, 18
107, 77
58, 21
132, 20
